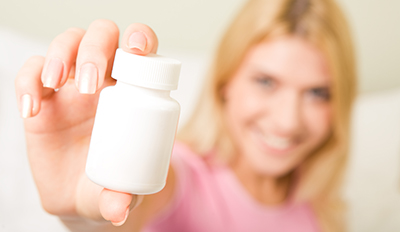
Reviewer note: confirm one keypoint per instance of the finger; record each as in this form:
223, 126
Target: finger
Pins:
29, 88
115, 206
61, 57
139, 39
95, 54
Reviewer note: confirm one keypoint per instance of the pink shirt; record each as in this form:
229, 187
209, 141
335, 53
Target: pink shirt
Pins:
210, 199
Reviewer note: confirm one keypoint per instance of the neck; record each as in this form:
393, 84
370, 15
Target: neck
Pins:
268, 190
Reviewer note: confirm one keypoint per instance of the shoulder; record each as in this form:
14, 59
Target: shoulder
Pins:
192, 192
183, 151
190, 167
182, 154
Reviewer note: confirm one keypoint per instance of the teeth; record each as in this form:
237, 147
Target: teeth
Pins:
277, 143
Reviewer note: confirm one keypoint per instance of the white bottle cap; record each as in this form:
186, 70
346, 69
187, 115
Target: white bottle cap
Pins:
150, 71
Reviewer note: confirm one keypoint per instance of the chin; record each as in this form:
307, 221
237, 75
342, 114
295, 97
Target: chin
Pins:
272, 170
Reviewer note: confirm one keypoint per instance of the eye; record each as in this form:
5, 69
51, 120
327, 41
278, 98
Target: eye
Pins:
265, 81
322, 93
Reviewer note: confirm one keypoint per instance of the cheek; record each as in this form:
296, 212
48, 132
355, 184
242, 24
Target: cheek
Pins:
242, 106
319, 122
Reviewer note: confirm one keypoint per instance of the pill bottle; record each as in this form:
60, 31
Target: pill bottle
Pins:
135, 125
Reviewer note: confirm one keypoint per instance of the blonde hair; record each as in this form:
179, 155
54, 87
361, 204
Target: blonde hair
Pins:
322, 23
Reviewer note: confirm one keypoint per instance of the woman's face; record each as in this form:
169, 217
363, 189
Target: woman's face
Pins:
278, 105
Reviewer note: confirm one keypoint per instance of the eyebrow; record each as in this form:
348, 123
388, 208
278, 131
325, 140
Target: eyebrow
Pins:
321, 84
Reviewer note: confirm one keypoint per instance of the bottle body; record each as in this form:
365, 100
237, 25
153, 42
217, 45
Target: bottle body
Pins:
132, 139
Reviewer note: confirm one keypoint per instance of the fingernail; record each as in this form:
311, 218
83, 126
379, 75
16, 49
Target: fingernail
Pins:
27, 104
123, 221
137, 40
87, 79
139, 199
53, 73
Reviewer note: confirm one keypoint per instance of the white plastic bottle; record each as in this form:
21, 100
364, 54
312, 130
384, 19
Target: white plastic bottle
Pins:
135, 125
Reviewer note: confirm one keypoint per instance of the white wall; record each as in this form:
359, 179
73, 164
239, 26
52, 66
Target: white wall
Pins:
195, 26
376, 31
189, 25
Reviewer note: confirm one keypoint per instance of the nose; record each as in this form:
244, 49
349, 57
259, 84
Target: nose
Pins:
286, 115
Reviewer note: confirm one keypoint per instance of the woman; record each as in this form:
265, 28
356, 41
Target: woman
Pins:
271, 128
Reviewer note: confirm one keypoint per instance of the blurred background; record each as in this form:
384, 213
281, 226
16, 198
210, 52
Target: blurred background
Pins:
195, 26
189, 30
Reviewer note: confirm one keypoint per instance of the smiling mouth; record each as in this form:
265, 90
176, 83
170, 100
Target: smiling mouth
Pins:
274, 143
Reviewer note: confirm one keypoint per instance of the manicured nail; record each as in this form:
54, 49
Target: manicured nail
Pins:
139, 199
53, 73
26, 105
123, 221
137, 40
87, 81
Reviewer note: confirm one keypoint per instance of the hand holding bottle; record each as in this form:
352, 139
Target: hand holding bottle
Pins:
58, 96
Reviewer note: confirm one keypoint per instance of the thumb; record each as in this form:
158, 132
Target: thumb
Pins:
115, 206
139, 39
